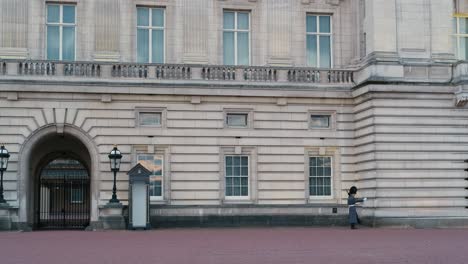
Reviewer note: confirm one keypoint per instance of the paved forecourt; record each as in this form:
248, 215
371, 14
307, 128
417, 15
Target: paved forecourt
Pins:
238, 245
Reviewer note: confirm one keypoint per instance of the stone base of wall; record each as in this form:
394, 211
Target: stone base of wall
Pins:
246, 221
407, 222
248, 215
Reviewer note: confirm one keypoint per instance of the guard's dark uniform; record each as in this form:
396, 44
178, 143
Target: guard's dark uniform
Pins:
353, 216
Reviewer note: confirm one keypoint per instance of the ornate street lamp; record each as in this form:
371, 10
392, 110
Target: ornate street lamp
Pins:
4, 155
115, 158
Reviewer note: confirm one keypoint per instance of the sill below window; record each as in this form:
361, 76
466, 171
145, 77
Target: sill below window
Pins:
322, 200
237, 201
157, 201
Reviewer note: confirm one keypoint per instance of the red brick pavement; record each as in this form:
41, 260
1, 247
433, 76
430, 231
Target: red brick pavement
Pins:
237, 246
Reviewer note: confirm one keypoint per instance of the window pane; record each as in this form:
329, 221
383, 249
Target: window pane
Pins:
311, 23
53, 43
325, 54
238, 120
319, 162
236, 181
312, 50
245, 171
236, 161
319, 121
245, 161
228, 20
313, 191
313, 181
319, 173
237, 191
242, 20
244, 181
228, 48
158, 17
53, 13
236, 171
150, 119
244, 191
142, 16
228, 161
463, 50
243, 48
157, 166
155, 187
143, 45
69, 14
68, 44
324, 22
229, 182
158, 46
228, 191
228, 170
313, 171
312, 162
463, 25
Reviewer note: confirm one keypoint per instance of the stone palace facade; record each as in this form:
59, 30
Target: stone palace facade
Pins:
247, 112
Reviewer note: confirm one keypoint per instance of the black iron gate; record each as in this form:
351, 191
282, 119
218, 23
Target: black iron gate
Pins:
64, 196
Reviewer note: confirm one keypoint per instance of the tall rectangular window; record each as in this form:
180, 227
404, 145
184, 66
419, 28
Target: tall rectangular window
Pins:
320, 175
61, 24
460, 25
237, 176
236, 37
154, 163
319, 41
150, 35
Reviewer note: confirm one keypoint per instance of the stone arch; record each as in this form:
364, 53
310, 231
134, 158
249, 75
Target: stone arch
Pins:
32, 157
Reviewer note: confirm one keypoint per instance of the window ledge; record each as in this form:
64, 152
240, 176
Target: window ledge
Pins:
322, 200
237, 201
158, 201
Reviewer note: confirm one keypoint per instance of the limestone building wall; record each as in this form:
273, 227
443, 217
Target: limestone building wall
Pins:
396, 94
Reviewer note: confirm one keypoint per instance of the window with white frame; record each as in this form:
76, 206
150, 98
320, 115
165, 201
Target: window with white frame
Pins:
320, 176
319, 41
149, 118
154, 163
238, 120
460, 25
150, 35
61, 25
237, 176
320, 121
236, 37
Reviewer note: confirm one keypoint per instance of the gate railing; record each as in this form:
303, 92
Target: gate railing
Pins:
64, 203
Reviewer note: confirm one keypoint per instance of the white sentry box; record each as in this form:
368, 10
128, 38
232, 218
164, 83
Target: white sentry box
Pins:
138, 199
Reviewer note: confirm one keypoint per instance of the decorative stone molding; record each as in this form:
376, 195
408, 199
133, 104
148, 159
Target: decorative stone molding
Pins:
461, 97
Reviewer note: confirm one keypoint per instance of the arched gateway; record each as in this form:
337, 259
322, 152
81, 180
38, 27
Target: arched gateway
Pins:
58, 179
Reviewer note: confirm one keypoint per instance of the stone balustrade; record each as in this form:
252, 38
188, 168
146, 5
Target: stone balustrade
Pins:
106, 70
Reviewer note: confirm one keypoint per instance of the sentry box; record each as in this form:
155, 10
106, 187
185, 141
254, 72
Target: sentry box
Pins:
138, 199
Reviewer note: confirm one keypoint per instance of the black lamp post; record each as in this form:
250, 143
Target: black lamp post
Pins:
4, 155
115, 158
